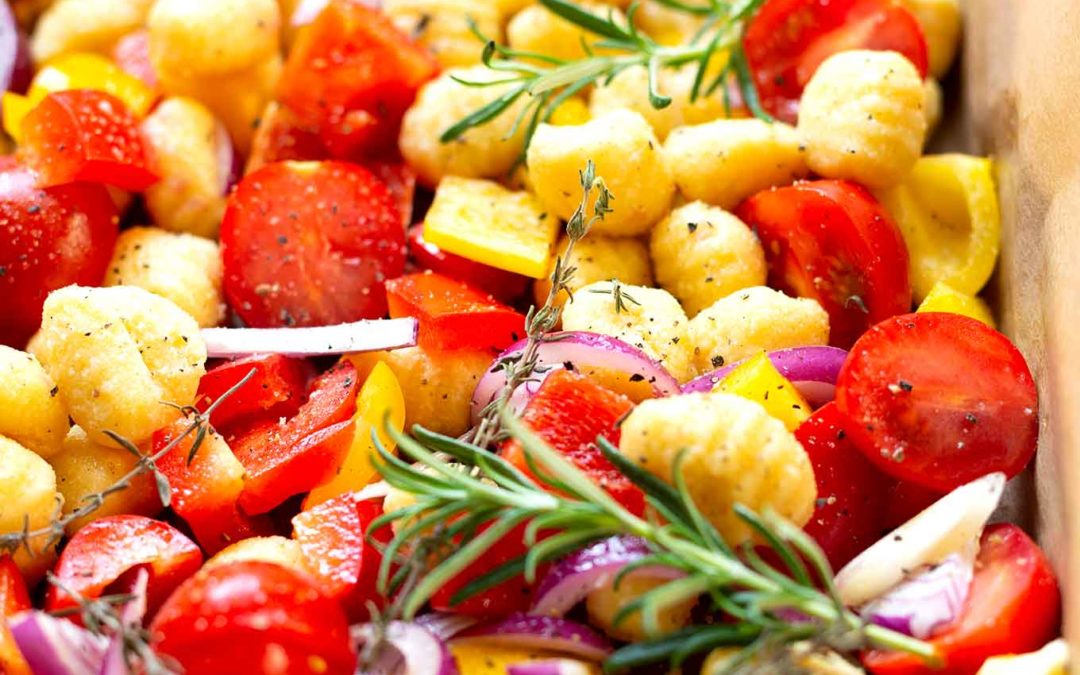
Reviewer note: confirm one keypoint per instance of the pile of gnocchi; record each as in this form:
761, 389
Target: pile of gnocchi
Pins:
767, 296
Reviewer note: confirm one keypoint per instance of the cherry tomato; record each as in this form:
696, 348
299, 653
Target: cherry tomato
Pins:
281, 137
568, 412
14, 598
352, 75
108, 548
275, 390
1013, 607
132, 54
503, 285
264, 617
788, 39
49, 239
852, 493
86, 135
907, 500
400, 180
345, 564
939, 400
308, 244
830, 240
282, 459
452, 314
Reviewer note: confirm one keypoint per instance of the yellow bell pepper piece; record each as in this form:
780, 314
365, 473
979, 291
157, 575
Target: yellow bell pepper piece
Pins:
570, 112
947, 210
483, 221
1050, 660
945, 298
380, 394
14, 108
758, 380
481, 658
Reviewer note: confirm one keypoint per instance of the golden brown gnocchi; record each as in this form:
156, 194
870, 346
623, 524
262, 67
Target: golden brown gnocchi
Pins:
443, 26
31, 413
598, 258
28, 485
188, 39
274, 549
438, 391
536, 29
85, 26
604, 604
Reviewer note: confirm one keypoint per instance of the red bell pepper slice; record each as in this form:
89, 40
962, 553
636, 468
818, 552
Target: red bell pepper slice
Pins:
275, 390
504, 286
14, 598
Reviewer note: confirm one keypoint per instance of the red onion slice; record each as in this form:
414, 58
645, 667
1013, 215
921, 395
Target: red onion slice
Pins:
574, 577
230, 166
550, 667
416, 651
933, 597
15, 69
57, 646
345, 338
131, 615
523, 631
579, 350
813, 370
445, 625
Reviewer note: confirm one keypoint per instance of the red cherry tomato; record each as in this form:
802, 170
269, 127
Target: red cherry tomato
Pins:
452, 314
284, 459
503, 285
852, 493
345, 564
400, 180
351, 74
14, 598
907, 500
49, 239
308, 244
108, 548
275, 390
939, 400
568, 412
830, 240
86, 135
256, 617
1014, 606
788, 39
132, 54
281, 137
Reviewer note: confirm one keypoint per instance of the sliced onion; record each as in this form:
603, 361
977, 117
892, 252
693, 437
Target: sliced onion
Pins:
230, 166
308, 10
131, 615
933, 597
415, 650
344, 338
445, 625
541, 632
57, 646
579, 350
376, 490
550, 667
574, 577
15, 70
813, 371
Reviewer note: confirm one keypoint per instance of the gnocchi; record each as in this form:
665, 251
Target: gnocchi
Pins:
272, 549
30, 499
438, 391
598, 258
85, 26
31, 413
538, 30
605, 603
443, 26
189, 38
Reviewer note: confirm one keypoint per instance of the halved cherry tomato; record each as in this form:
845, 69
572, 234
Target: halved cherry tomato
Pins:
907, 500
86, 135
852, 493
452, 314
332, 536
788, 39
569, 411
284, 459
830, 240
352, 75
206, 489
49, 239
14, 598
275, 390
105, 550
253, 615
281, 137
307, 244
1013, 607
400, 180
132, 54
503, 285
939, 400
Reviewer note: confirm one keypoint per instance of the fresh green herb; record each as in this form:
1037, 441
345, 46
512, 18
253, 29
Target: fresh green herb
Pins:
621, 296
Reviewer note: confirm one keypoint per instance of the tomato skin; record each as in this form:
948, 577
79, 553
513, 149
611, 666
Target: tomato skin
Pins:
852, 493
275, 390
352, 75
49, 239
830, 240
1014, 607
452, 314
569, 411
271, 619
503, 285
939, 400
284, 459
14, 598
86, 135
310, 244
907, 500
106, 549
282, 138
400, 179
787, 40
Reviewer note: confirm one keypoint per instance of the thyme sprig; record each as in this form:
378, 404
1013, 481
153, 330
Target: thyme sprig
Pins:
546, 81
475, 498
621, 297
53, 531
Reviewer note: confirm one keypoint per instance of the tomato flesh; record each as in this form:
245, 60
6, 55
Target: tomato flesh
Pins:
787, 40
503, 285
830, 240
939, 400
276, 389
255, 614
310, 244
1013, 607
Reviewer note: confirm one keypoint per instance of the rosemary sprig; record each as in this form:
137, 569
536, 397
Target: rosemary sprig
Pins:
479, 493
11, 542
546, 82
539, 322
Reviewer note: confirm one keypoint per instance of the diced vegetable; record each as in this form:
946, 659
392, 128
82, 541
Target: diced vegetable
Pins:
944, 298
758, 380
503, 285
813, 371
275, 389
